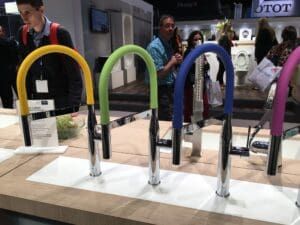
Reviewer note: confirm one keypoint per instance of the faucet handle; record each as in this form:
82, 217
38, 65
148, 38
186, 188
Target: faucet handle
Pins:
130, 118
164, 143
241, 151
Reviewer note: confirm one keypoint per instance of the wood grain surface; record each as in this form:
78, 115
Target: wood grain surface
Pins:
130, 146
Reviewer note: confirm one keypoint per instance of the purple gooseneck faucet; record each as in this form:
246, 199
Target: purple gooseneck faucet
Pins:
278, 112
226, 136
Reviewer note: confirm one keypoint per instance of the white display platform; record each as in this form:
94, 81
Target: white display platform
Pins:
248, 200
7, 120
5, 154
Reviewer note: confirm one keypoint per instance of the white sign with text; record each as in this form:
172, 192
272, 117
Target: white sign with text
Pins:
43, 131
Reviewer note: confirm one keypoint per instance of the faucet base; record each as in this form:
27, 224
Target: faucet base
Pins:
154, 182
95, 171
95, 174
298, 204
223, 194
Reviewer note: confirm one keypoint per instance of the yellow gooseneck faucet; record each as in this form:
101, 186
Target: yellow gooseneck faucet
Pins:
24, 110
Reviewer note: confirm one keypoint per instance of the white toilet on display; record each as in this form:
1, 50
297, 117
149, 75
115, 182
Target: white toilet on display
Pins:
122, 33
241, 62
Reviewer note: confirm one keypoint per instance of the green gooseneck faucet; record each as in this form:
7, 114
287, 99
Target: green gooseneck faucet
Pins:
104, 107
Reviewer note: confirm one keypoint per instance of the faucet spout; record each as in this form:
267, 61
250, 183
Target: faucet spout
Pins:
273, 155
106, 144
177, 145
25, 120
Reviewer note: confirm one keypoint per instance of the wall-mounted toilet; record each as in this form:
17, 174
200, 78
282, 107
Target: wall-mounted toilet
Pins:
241, 62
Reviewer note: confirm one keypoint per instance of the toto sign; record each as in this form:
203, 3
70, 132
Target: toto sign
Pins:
273, 8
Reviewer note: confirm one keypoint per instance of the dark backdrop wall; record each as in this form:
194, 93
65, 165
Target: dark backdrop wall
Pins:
188, 9
197, 9
11, 23
2, 1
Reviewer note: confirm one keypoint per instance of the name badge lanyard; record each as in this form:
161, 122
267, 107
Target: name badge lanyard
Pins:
41, 69
42, 85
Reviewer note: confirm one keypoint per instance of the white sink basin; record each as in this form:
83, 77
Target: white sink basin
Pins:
248, 200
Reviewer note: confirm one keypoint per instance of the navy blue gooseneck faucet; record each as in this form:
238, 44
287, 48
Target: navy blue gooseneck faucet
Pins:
226, 136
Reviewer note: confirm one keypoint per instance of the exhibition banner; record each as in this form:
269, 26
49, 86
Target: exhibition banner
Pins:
275, 8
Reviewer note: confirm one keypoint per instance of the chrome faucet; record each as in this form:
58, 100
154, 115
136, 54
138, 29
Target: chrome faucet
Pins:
106, 125
26, 117
278, 113
226, 135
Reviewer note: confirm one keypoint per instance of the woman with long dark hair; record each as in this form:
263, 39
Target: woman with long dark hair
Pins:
279, 53
265, 39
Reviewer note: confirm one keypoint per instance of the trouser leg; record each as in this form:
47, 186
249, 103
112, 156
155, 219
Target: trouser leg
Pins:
165, 103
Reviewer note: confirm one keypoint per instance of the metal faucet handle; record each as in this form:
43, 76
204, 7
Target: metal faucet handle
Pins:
164, 143
53, 113
291, 132
241, 151
260, 147
130, 118
190, 128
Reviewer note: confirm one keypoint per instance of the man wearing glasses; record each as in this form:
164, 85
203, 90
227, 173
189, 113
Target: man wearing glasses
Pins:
165, 60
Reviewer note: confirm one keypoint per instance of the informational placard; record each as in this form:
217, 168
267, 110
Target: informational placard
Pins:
274, 8
43, 131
